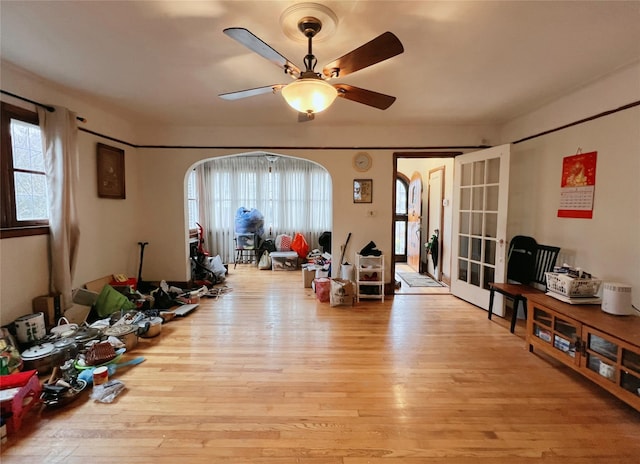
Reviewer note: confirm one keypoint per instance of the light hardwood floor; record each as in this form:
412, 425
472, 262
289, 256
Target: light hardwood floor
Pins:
268, 375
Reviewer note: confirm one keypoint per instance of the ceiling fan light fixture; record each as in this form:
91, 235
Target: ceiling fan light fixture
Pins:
309, 95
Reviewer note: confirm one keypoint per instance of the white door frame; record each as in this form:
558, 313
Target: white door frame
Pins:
479, 226
435, 216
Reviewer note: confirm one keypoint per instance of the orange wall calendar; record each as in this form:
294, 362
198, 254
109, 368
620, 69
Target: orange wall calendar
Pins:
578, 186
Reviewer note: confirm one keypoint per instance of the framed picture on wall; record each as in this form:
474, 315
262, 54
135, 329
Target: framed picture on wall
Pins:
362, 190
110, 163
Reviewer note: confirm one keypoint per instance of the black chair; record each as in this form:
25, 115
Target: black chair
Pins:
546, 257
527, 263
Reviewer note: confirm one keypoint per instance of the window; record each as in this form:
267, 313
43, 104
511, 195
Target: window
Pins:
24, 184
293, 195
192, 199
401, 217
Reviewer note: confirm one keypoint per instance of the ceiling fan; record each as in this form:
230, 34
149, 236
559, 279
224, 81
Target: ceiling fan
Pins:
310, 92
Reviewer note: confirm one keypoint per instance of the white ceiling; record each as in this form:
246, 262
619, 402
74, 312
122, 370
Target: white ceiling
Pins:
464, 61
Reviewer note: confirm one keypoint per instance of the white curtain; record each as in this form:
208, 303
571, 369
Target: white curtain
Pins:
293, 195
302, 199
59, 134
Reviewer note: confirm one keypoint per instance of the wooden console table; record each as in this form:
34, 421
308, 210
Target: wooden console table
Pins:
602, 347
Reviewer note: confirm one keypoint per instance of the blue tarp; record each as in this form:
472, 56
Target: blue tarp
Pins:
249, 221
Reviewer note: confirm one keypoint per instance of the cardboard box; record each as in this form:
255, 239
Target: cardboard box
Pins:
84, 297
98, 284
307, 277
50, 306
77, 314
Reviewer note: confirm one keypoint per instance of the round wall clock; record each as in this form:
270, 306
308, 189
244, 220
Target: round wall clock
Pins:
362, 161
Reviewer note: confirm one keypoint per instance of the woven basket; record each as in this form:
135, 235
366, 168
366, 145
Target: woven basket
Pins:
100, 353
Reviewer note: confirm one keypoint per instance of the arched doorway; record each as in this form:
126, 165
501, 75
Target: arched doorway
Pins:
292, 194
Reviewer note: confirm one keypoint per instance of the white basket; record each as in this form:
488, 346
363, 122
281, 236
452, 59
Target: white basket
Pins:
572, 287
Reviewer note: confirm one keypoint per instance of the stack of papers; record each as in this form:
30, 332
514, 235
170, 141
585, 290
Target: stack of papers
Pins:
580, 300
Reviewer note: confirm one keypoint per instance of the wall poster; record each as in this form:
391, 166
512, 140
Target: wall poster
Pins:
578, 185
362, 190
110, 172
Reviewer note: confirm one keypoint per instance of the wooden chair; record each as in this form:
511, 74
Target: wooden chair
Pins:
526, 265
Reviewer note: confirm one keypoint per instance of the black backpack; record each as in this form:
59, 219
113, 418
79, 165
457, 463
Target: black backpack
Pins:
266, 246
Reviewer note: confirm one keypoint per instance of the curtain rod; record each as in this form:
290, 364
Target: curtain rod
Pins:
49, 108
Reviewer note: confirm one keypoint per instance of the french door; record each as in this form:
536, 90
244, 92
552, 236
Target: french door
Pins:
480, 196
414, 222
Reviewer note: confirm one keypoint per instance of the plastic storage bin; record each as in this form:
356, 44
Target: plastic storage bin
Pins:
245, 241
284, 260
572, 287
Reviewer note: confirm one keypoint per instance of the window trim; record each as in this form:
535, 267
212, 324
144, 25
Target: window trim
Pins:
9, 226
192, 177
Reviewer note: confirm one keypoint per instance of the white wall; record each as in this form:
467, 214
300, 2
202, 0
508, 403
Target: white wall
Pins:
315, 135
108, 239
608, 245
612, 91
108, 227
163, 184
154, 210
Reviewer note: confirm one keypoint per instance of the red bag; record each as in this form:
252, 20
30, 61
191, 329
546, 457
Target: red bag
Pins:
300, 245
323, 289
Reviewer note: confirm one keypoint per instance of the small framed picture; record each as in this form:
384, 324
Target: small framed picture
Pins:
362, 190
110, 163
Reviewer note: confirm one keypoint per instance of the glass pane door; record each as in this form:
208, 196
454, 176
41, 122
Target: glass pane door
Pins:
630, 375
481, 187
565, 337
602, 356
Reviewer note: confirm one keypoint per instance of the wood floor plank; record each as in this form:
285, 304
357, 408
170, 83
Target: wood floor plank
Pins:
266, 374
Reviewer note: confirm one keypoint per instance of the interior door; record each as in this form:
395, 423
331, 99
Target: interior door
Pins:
435, 215
480, 195
414, 222
400, 218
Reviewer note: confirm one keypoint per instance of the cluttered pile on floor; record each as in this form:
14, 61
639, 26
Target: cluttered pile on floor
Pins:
49, 358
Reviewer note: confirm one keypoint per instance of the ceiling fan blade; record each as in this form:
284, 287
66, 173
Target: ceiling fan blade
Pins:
251, 92
255, 44
364, 96
381, 48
